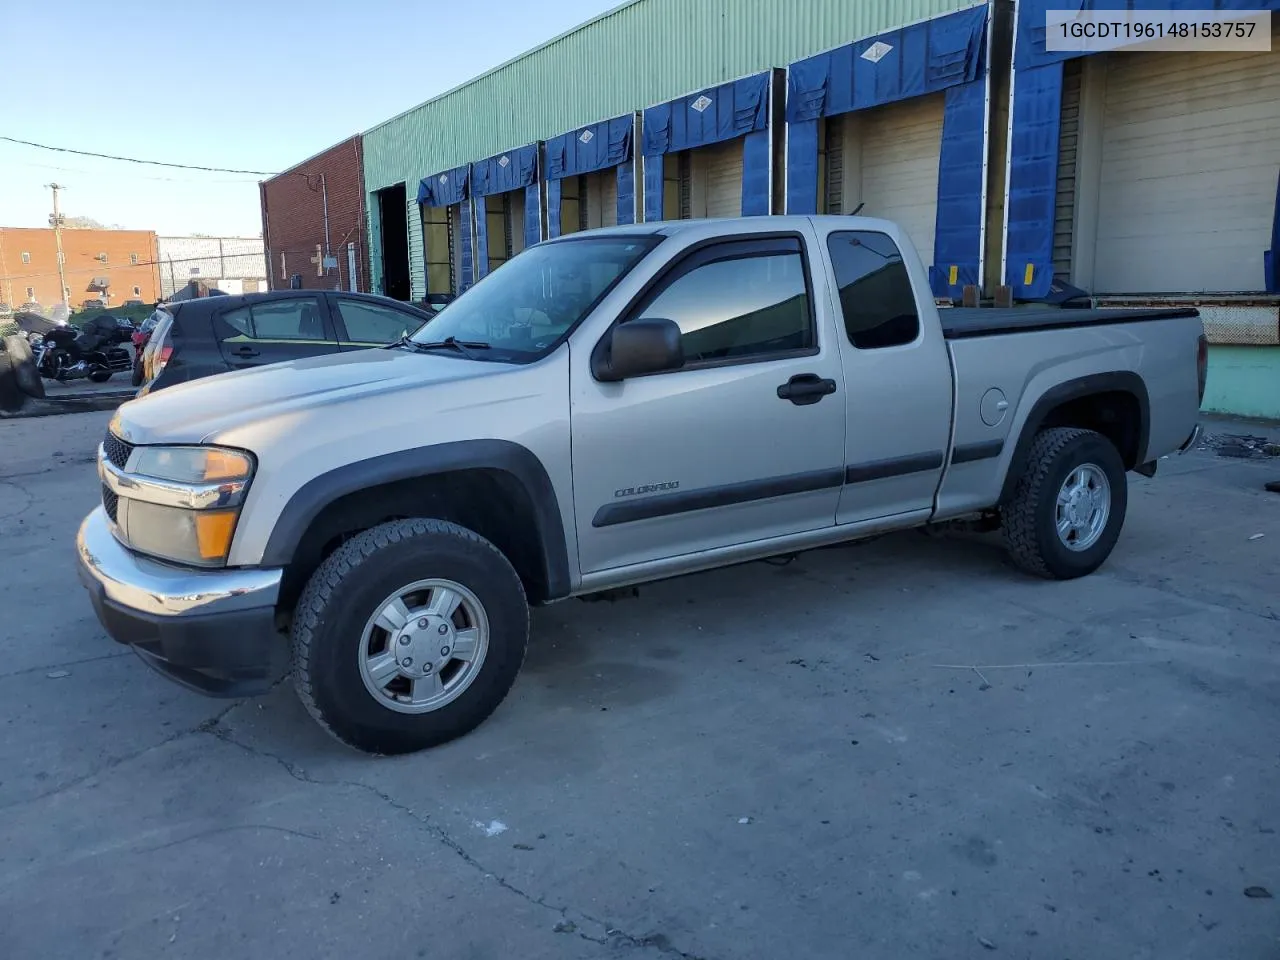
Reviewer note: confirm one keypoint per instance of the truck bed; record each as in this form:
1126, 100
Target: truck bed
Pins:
961, 322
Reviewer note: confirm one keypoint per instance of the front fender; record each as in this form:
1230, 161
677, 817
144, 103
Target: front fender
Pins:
310, 500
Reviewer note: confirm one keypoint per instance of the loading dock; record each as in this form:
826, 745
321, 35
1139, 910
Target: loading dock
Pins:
710, 153
506, 205
446, 233
393, 231
591, 177
1142, 173
895, 126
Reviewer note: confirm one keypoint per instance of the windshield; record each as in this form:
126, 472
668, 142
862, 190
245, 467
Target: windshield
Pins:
522, 309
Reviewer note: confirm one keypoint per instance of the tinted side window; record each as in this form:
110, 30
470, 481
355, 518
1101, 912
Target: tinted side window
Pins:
241, 321
373, 323
876, 297
739, 308
293, 319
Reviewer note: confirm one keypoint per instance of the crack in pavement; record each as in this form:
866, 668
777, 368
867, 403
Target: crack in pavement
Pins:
121, 760
230, 828
612, 935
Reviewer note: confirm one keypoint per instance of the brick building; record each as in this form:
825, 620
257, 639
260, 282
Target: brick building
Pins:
294, 228
113, 266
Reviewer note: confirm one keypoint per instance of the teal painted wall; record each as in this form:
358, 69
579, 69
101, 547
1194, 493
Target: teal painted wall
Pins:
637, 55
1243, 382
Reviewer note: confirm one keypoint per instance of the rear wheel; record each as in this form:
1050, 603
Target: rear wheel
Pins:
1068, 507
409, 635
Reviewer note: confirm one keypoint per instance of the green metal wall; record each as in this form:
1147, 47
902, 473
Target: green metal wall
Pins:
1243, 382
639, 54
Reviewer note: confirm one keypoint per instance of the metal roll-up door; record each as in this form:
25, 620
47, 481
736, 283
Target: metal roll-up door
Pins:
722, 164
1064, 217
1187, 187
833, 166
901, 144
608, 197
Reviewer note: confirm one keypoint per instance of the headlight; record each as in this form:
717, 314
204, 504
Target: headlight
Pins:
191, 464
181, 503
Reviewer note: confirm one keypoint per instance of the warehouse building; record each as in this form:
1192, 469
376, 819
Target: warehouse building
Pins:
313, 222
1126, 178
656, 109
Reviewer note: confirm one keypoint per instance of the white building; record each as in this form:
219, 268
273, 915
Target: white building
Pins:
232, 264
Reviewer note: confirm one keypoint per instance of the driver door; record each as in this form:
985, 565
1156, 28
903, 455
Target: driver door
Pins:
720, 451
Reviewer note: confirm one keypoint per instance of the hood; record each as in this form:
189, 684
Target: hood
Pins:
198, 411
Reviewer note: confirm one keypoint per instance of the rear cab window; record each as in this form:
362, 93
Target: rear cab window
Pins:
877, 300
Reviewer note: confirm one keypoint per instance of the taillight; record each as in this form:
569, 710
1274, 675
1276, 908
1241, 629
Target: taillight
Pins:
162, 358
1202, 363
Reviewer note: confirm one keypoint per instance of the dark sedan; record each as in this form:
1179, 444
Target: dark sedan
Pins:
207, 335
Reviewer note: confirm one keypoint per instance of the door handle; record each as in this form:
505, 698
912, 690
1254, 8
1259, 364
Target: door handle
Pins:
805, 388
245, 352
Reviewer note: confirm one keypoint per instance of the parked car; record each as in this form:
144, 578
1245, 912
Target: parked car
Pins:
203, 336
141, 337
609, 408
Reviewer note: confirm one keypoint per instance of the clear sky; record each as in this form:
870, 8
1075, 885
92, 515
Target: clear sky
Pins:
254, 85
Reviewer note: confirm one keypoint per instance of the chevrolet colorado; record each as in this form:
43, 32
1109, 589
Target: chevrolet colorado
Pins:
609, 408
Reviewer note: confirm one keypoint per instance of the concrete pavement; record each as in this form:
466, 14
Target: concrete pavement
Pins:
898, 749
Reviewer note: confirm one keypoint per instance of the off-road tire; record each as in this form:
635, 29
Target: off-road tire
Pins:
345, 591
1028, 519
23, 362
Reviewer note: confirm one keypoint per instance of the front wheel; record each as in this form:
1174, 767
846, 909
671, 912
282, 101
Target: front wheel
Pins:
409, 635
1069, 505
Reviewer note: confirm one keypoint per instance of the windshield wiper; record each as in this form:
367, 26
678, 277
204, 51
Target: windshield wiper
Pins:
464, 347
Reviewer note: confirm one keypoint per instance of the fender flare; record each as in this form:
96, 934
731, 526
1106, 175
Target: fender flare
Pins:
311, 499
1119, 381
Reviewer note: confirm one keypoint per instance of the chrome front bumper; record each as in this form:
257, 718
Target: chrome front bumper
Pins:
212, 630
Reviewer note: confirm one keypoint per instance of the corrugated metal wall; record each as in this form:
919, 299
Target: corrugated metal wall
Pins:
638, 55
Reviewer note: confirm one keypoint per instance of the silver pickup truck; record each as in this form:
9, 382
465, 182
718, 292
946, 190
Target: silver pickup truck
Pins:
609, 408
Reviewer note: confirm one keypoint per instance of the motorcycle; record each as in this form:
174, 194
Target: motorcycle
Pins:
63, 353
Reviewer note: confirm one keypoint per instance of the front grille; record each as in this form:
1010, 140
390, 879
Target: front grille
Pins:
110, 502
117, 450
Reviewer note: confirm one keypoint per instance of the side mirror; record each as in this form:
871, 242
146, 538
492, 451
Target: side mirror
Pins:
646, 345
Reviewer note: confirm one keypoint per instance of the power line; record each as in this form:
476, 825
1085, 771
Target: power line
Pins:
154, 163
203, 181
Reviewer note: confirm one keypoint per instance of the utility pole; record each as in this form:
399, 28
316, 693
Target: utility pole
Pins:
55, 221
